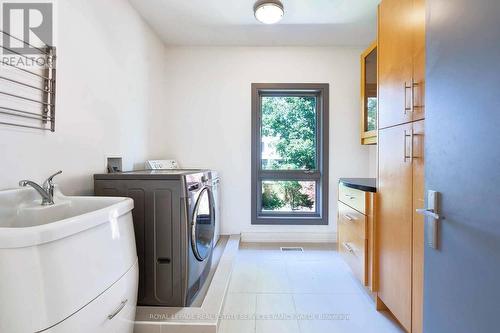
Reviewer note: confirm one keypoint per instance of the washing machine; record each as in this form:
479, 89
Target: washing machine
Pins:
174, 223
216, 191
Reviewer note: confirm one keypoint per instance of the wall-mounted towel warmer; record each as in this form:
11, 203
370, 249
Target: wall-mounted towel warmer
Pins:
28, 86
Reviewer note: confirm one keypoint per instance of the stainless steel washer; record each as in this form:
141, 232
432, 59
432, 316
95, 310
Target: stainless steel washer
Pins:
174, 224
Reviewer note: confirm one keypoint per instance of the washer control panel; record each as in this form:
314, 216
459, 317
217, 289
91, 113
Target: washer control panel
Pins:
161, 165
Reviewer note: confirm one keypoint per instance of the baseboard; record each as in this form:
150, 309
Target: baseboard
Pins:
289, 237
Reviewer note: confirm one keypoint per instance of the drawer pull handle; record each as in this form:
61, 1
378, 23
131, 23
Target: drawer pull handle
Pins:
347, 217
349, 196
118, 309
348, 247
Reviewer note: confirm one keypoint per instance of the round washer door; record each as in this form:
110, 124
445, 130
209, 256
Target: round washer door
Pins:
203, 226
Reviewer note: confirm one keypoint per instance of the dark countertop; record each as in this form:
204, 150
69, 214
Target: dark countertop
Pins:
362, 184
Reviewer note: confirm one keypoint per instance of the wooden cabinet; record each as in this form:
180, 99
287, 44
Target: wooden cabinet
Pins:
353, 240
395, 62
356, 225
401, 61
395, 221
400, 233
400, 230
353, 197
418, 92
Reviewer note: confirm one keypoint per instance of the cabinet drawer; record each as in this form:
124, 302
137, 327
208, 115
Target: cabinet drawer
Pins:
352, 231
353, 198
112, 312
353, 250
352, 220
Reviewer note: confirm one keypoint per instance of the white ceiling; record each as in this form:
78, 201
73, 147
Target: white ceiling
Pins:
231, 22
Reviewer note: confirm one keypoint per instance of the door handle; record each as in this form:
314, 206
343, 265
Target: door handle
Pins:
428, 212
194, 187
432, 209
431, 222
118, 309
432, 217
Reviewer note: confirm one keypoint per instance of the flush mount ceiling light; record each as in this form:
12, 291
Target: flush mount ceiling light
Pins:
268, 11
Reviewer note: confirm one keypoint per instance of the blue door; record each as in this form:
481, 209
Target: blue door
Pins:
462, 276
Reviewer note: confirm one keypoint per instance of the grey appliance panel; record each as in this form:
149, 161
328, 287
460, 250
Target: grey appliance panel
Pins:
159, 228
166, 226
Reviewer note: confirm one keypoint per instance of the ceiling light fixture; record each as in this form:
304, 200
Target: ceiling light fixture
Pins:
269, 11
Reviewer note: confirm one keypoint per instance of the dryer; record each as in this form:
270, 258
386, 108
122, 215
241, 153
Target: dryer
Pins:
174, 224
216, 186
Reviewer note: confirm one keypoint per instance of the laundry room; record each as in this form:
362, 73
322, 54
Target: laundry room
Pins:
258, 166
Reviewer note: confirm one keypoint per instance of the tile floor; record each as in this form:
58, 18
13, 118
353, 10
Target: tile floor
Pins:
291, 292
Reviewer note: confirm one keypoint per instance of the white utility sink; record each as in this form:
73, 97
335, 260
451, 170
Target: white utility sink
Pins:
67, 267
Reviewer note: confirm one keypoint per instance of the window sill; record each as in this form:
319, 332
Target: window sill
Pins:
271, 220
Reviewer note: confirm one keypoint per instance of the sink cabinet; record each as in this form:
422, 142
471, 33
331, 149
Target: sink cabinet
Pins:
112, 312
59, 260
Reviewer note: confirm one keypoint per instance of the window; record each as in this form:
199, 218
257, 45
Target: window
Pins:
289, 153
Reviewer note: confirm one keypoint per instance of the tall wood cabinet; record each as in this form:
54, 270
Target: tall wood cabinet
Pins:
395, 221
401, 68
394, 62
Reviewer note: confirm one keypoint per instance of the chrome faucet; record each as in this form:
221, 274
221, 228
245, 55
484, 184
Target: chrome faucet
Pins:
46, 191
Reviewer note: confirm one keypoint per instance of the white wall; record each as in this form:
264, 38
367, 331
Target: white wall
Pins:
109, 82
120, 91
206, 120
373, 162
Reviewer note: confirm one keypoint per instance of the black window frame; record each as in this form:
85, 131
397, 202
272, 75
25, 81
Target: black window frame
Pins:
320, 175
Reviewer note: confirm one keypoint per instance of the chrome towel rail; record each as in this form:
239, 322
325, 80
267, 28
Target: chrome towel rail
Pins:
25, 70
25, 126
25, 98
20, 113
28, 101
24, 42
24, 84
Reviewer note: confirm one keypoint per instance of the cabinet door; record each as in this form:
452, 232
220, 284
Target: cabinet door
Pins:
394, 221
418, 227
395, 62
418, 59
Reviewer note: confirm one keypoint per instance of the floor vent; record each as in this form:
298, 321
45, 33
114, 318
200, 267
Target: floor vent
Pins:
292, 249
